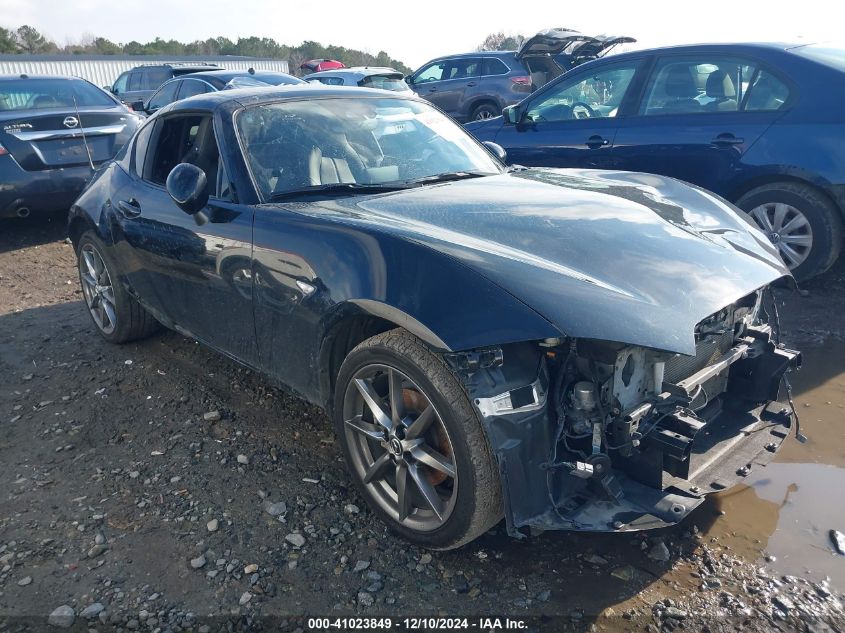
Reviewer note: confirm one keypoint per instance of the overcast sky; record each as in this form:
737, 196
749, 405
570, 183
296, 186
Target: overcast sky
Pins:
417, 31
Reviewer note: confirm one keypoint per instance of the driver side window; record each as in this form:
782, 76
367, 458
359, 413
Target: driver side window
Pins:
167, 94
598, 94
186, 139
434, 72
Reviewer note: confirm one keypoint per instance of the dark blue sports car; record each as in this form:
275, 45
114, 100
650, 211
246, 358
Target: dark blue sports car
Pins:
762, 125
579, 350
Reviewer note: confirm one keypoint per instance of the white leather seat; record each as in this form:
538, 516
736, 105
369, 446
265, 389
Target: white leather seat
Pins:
323, 170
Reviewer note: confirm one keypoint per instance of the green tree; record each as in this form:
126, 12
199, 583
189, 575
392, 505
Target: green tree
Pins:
133, 48
7, 41
32, 42
103, 46
27, 39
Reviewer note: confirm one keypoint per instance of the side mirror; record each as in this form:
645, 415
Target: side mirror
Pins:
497, 150
409, 80
511, 115
138, 106
188, 187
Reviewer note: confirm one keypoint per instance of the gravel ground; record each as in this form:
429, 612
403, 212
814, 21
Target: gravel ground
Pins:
158, 486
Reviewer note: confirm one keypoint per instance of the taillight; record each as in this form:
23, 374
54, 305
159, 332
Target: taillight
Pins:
3, 151
129, 107
522, 80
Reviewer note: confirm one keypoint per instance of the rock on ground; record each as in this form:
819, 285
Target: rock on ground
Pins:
62, 617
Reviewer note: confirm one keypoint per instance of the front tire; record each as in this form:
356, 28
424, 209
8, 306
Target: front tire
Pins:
800, 221
414, 444
118, 316
484, 111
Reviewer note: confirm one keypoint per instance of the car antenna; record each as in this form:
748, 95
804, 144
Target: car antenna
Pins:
82, 130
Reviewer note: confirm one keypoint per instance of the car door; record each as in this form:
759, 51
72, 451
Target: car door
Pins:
120, 85
696, 119
196, 276
460, 76
445, 82
571, 122
134, 87
163, 96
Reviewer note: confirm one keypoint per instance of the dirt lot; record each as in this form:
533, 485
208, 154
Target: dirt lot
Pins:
159, 486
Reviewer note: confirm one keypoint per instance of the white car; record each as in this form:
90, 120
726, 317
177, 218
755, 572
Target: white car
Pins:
362, 76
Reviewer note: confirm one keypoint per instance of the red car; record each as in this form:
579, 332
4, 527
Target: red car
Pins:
316, 65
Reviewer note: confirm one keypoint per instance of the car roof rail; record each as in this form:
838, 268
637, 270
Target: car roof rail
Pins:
178, 65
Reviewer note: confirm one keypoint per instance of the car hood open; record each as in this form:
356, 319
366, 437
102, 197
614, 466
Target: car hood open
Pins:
619, 256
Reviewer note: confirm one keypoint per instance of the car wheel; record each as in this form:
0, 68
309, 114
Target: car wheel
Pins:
804, 225
118, 316
484, 111
414, 444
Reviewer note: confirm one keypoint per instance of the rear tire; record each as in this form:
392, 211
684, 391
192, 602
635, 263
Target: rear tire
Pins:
117, 315
484, 111
469, 501
818, 222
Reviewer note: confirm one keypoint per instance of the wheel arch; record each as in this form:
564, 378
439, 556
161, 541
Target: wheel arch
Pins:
78, 223
354, 323
773, 178
478, 101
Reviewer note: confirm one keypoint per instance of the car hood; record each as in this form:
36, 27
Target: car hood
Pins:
619, 256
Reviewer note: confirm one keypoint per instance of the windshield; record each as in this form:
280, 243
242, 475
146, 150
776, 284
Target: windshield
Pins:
29, 94
308, 144
833, 56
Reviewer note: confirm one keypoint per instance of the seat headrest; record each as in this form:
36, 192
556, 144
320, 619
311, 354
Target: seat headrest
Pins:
720, 86
679, 82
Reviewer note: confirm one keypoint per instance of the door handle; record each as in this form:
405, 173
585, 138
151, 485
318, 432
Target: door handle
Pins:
129, 208
596, 141
471, 84
726, 140
432, 89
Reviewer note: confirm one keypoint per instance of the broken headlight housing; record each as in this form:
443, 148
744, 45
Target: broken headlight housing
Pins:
640, 409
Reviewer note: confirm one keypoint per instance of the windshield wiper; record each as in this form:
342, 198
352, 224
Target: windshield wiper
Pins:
339, 188
447, 176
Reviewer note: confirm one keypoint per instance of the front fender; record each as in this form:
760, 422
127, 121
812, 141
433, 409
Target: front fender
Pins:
440, 300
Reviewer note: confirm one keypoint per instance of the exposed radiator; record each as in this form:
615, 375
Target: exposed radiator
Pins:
706, 352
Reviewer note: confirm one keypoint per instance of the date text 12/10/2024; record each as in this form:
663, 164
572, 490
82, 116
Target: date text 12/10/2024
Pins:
416, 624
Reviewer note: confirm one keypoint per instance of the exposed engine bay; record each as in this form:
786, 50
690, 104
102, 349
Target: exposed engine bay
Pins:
607, 436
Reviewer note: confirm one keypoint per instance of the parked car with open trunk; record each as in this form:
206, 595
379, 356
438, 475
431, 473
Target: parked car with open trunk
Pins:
476, 86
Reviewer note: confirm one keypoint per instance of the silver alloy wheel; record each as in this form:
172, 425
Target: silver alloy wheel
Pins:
787, 228
97, 288
483, 115
400, 447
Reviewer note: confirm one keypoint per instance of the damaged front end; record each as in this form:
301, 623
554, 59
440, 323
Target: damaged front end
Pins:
602, 436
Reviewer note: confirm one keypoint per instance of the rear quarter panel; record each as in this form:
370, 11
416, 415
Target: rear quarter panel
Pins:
806, 142
91, 209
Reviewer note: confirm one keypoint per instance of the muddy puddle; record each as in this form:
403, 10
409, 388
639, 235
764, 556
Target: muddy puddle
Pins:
787, 509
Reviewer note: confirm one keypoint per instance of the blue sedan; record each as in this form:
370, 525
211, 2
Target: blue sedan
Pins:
759, 124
